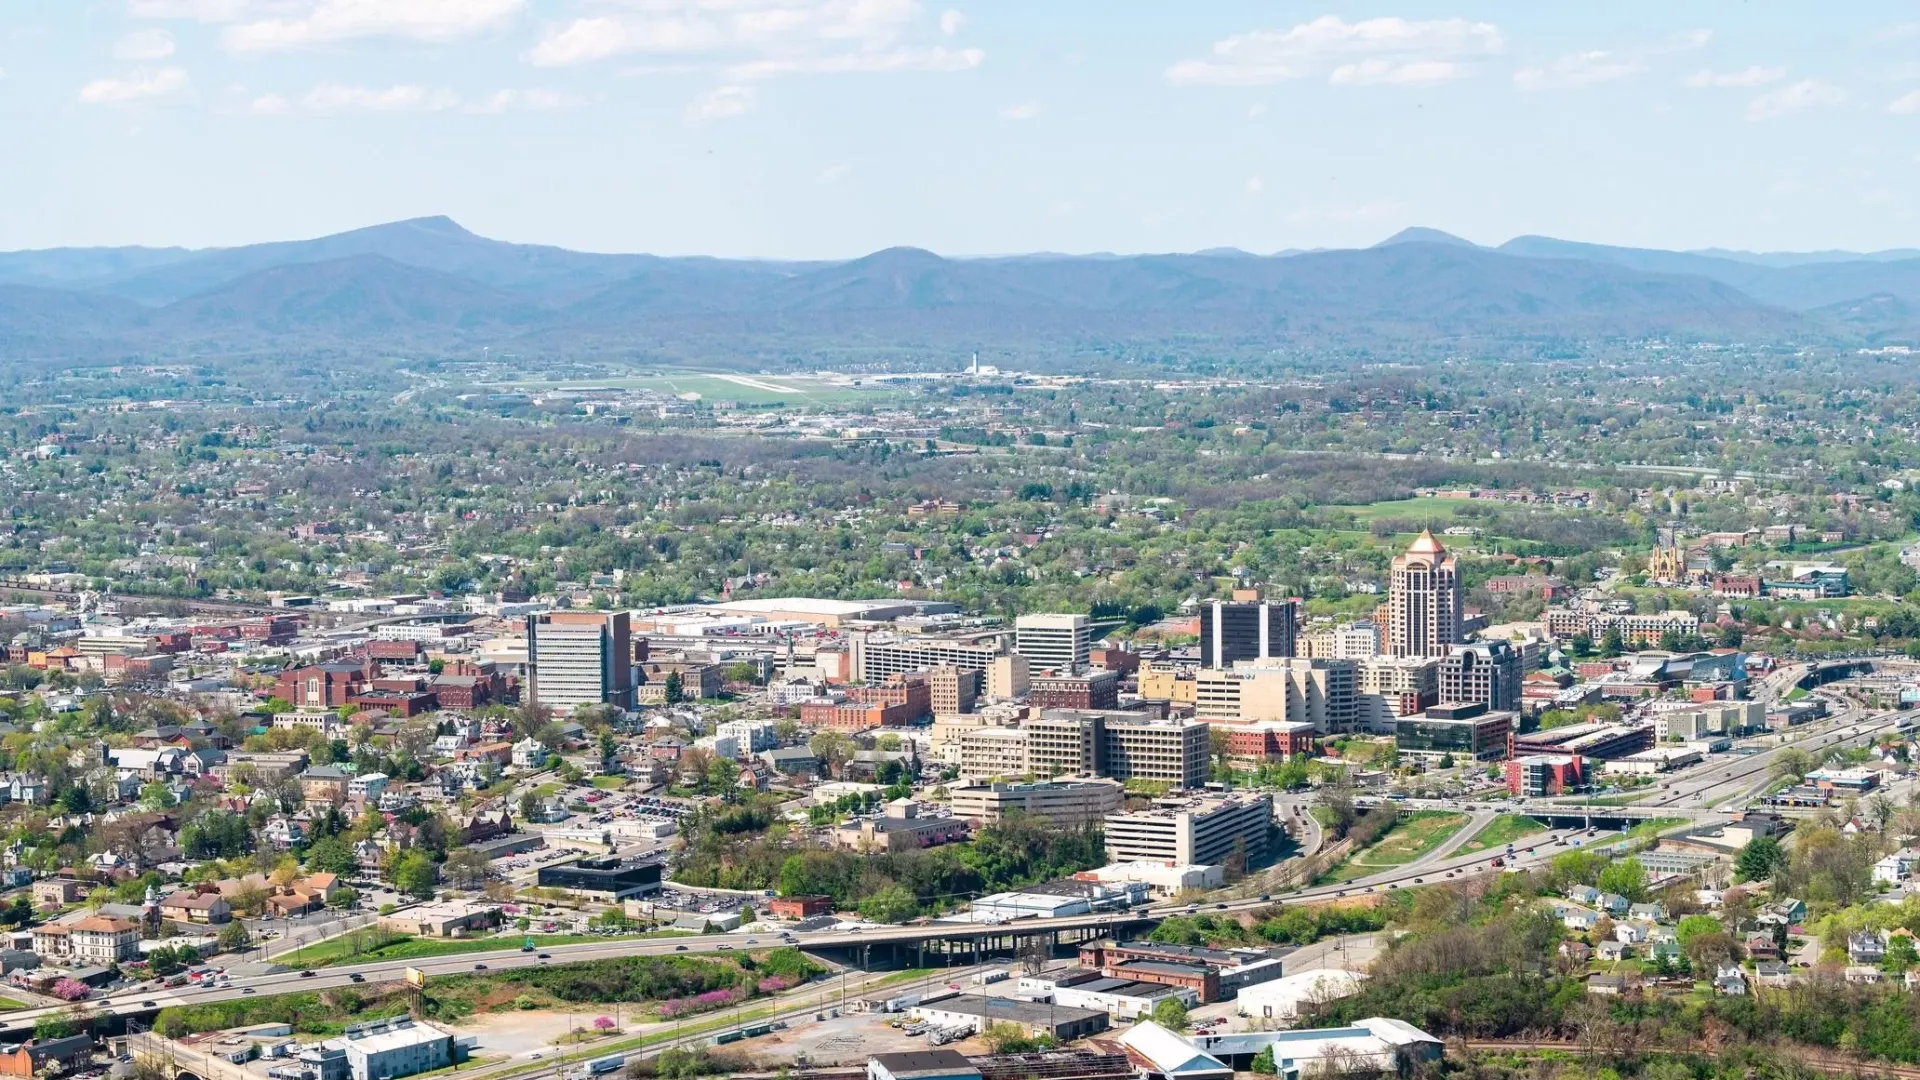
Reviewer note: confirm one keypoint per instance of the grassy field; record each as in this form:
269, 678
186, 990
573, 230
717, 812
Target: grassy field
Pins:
1502, 831
608, 782
1426, 507
1410, 838
7, 1003
342, 949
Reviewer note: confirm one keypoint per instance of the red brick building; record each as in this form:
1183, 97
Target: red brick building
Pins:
800, 907
1094, 690
1269, 741
328, 685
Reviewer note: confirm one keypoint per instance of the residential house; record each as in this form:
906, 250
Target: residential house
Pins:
1866, 947
1896, 868
1730, 980
188, 906
1610, 951
529, 753
1772, 973
324, 784
1607, 985
58, 891
1762, 947
1863, 974
1629, 933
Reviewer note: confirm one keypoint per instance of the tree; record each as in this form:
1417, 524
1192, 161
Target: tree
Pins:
1900, 954
1170, 1013
52, 1026
1263, 1063
1792, 764
249, 899
673, 688
465, 868
1760, 859
233, 937
893, 904
1693, 925
415, 874
331, 855
1708, 951
1625, 877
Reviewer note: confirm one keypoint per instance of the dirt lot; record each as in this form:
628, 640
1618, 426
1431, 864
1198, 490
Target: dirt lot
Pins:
848, 1039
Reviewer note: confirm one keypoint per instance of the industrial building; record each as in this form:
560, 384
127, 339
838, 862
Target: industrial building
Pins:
388, 1049
975, 1012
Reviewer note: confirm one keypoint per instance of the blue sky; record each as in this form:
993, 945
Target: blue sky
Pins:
825, 128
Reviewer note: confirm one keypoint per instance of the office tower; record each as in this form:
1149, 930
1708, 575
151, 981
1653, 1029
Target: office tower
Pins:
954, 689
1423, 601
580, 658
1186, 832
1485, 673
1054, 642
1008, 677
1292, 690
1236, 630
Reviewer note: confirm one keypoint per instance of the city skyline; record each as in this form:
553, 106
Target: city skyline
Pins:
822, 128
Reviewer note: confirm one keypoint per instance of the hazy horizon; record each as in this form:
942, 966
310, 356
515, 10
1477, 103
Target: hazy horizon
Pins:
815, 129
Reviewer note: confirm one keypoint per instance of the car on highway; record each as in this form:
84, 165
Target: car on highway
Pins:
148, 1004
723, 945
479, 967
679, 948
546, 956
246, 990
354, 976
307, 974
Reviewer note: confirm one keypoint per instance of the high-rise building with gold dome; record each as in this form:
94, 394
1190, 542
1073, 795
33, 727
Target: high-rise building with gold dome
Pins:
1423, 600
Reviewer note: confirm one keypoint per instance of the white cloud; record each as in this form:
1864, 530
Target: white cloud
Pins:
1803, 96
323, 21
535, 100
212, 11
270, 105
721, 103
1025, 110
1576, 70
1745, 79
1255, 185
832, 174
407, 97
597, 38
1258, 108
1371, 51
144, 84
1594, 66
1378, 72
758, 39
148, 44
1906, 104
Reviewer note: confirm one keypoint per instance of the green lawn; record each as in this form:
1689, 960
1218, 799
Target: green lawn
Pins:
606, 782
1410, 838
1502, 831
340, 950
1424, 507
7, 1003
